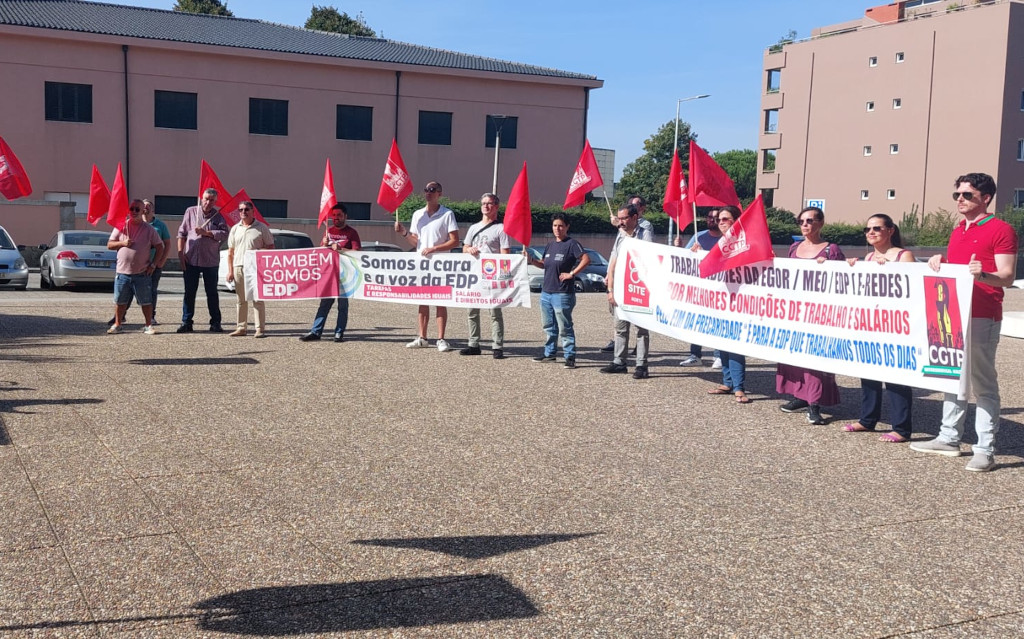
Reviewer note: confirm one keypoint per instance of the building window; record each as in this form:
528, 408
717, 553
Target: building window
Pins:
900, 57
268, 117
354, 123
894, 149
66, 102
358, 210
509, 131
1022, 100
870, 106
771, 120
867, 150
897, 103
174, 110
1020, 150
873, 61
768, 161
1018, 198
774, 78
272, 208
174, 204
864, 194
890, 194
435, 128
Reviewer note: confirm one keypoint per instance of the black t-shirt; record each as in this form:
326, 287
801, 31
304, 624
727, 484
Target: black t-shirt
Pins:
560, 257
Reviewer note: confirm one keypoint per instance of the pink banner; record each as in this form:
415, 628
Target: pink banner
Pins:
296, 274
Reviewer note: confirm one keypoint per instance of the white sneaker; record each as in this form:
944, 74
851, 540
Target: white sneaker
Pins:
443, 345
692, 360
419, 342
149, 330
717, 364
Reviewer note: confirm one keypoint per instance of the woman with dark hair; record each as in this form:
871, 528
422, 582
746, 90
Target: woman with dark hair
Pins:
734, 367
810, 389
887, 246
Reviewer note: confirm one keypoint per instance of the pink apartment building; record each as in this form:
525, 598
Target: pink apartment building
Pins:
881, 114
266, 104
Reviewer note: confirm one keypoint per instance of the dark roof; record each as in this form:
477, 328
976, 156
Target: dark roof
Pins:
160, 24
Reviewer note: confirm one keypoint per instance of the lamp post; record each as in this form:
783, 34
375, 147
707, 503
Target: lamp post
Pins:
675, 140
499, 122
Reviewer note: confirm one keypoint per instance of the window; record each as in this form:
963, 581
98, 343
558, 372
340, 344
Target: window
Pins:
864, 194
1020, 150
509, 131
358, 210
873, 61
66, 102
867, 150
435, 128
174, 110
1018, 198
894, 149
900, 57
174, 204
268, 117
272, 208
354, 123
774, 77
1022, 100
768, 161
890, 194
771, 120
897, 103
870, 106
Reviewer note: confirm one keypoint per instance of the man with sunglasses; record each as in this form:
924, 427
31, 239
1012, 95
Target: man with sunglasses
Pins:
202, 230
133, 243
628, 218
433, 229
248, 235
988, 246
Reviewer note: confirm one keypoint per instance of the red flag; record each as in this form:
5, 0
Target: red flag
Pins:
99, 197
209, 180
230, 209
327, 197
117, 215
518, 220
13, 179
675, 204
710, 185
747, 241
584, 180
395, 186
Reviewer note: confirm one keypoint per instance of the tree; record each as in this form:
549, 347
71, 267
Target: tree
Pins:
741, 165
209, 7
329, 19
648, 174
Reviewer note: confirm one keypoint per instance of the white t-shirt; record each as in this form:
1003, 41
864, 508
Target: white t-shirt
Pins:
432, 229
491, 240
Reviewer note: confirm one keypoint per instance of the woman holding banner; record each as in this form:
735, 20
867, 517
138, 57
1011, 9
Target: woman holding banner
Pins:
887, 246
734, 367
810, 389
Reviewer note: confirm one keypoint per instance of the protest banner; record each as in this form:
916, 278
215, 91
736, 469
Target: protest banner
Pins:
447, 279
894, 322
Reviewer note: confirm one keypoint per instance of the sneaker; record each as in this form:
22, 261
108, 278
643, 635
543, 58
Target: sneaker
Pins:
938, 447
609, 348
981, 463
185, 328
613, 368
570, 362
692, 360
794, 406
640, 372
717, 364
310, 337
498, 353
114, 329
470, 350
339, 337
419, 342
216, 328
814, 415
149, 330
544, 358
443, 345
238, 332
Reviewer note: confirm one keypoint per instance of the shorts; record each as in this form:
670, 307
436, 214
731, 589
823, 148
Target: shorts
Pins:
141, 285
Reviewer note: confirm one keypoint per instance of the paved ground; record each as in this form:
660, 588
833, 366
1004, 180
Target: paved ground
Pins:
205, 486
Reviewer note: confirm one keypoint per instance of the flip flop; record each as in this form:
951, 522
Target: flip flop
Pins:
742, 399
893, 438
721, 390
856, 427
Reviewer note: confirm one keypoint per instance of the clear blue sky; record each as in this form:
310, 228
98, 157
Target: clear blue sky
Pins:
648, 52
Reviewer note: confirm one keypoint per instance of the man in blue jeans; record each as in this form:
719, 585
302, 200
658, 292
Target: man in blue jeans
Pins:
133, 244
340, 237
199, 237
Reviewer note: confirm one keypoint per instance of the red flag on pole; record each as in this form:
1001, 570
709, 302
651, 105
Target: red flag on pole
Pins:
518, 219
117, 215
585, 179
209, 180
710, 185
327, 197
747, 241
230, 209
13, 179
395, 186
99, 197
675, 204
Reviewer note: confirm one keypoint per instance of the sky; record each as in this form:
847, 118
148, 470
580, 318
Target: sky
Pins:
649, 53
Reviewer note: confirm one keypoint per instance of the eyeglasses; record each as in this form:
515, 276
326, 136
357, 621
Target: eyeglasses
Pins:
135, 209
967, 195
807, 221
876, 229
488, 204
431, 189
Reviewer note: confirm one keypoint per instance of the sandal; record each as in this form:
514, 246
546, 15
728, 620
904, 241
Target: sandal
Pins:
721, 390
856, 427
893, 438
742, 399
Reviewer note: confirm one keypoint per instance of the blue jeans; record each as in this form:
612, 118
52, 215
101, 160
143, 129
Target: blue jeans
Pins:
900, 399
154, 282
188, 306
138, 285
556, 313
984, 383
325, 308
734, 370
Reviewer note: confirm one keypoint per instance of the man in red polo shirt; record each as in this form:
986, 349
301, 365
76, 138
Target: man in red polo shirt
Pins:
988, 246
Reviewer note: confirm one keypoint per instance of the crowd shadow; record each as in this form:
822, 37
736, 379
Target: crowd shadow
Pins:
475, 546
194, 361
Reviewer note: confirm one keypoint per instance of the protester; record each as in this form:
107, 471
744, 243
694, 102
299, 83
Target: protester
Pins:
887, 246
734, 366
199, 236
646, 233
134, 243
628, 218
157, 256
340, 237
433, 229
988, 246
563, 259
703, 241
811, 389
248, 235
486, 237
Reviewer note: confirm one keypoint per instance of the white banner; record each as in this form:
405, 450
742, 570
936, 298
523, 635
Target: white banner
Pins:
898, 322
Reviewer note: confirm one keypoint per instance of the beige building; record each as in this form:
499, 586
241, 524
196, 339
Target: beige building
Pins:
881, 114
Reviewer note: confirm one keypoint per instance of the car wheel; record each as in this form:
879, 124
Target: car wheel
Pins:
42, 279
50, 284
578, 285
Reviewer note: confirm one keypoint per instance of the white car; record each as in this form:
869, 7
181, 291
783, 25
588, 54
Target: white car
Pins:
13, 269
283, 239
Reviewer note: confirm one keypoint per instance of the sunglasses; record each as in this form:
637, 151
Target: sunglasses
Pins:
135, 209
726, 219
876, 229
966, 194
807, 221
244, 208
431, 189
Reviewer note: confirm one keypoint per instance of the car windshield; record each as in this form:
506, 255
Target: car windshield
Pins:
292, 242
85, 239
5, 240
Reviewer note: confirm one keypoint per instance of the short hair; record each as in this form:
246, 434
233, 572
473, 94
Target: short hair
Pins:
210, 191
247, 203
632, 209
497, 200
560, 216
436, 184
981, 181
819, 215
897, 239
642, 201
340, 207
734, 210
136, 200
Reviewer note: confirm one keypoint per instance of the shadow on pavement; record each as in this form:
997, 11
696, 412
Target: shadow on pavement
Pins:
12, 405
194, 361
474, 547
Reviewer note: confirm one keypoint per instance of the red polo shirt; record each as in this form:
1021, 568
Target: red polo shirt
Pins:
984, 239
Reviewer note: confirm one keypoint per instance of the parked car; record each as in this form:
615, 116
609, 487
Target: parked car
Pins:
283, 239
590, 280
13, 269
381, 247
77, 257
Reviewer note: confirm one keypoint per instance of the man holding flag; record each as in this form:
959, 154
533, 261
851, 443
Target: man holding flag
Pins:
133, 242
338, 237
486, 237
199, 236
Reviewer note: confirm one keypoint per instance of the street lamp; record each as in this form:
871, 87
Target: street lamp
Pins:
499, 121
675, 140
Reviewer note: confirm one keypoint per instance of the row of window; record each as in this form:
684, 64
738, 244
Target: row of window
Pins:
897, 103
1020, 150
890, 194
69, 102
176, 205
873, 60
893, 149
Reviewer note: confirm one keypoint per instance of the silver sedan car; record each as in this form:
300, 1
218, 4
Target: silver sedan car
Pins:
77, 257
13, 269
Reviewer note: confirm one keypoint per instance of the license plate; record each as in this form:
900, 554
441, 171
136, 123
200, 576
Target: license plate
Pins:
97, 263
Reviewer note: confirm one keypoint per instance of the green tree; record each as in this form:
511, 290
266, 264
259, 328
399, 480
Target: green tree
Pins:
210, 7
741, 165
329, 19
648, 174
